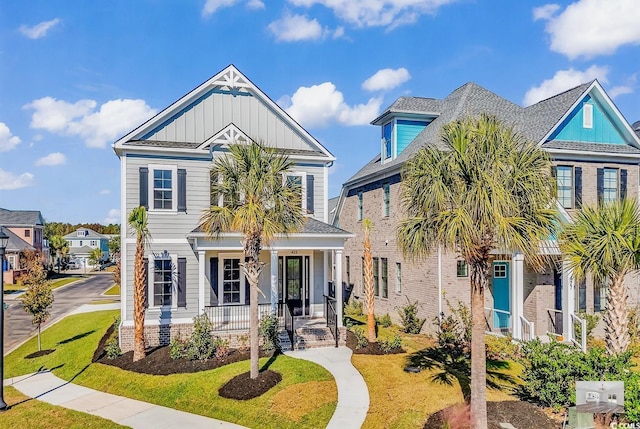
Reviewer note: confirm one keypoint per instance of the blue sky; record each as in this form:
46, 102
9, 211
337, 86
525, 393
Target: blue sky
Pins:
76, 75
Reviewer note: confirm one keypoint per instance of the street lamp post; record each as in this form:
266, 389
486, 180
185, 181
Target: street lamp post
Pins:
4, 239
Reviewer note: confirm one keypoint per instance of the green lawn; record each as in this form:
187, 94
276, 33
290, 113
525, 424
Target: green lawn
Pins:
30, 413
113, 290
76, 337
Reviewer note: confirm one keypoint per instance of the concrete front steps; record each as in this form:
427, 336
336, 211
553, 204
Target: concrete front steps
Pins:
310, 333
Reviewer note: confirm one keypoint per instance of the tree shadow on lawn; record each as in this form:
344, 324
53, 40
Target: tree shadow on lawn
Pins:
39, 353
453, 365
75, 337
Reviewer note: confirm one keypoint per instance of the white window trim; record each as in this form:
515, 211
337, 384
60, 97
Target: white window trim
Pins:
505, 271
394, 126
174, 187
174, 286
303, 176
587, 115
243, 287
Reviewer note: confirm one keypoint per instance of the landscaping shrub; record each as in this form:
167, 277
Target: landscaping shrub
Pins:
551, 371
454, 330
390, 344
409, 319
502, 348
384, 321
112, 347
222, 348
634, 325
592, 322
269, 332
361, 339
201, 341
353, 308
178, 348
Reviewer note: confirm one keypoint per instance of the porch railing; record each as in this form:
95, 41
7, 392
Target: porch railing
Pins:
575, 322
497, 321
526, 328
233, 317
555, 322
289, 322
332, 316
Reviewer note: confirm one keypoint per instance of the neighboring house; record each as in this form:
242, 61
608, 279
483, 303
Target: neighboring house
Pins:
165, 166
83, 241
25, 231
595, 154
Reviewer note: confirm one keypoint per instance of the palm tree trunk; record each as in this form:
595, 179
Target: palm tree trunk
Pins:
253, 328
616, 317
139, 285
479, 278
368, 286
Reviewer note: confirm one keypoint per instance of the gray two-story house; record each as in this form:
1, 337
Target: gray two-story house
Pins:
595, 154
165, 166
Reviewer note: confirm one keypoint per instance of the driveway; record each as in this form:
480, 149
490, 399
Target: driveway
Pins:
17, 322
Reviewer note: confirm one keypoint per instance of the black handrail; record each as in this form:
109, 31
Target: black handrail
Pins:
331, 316
289, 322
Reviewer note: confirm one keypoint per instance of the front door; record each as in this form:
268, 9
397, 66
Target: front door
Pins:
294, 283
501, 296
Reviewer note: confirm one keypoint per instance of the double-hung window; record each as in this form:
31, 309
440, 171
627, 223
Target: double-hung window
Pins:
162, 189
299, 180
564, 178
610, 185
376, 277
387, 130
385, 276
398, 277
462, 269
232, 281
162, 281
360, 205
385, 200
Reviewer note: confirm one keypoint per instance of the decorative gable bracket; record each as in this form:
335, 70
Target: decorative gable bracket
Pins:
232, 80
226, 136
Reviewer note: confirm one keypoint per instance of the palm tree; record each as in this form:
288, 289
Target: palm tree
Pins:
138, 223
604, 241
369, 300
486, 189
60, 246
258, 201
95, 256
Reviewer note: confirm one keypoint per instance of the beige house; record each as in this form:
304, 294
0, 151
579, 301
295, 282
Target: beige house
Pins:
25, 231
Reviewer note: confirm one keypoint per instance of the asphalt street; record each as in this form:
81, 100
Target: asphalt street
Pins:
17, 322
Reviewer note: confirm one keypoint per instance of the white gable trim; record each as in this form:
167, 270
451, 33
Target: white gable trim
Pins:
601, 96
226, 136
230, 78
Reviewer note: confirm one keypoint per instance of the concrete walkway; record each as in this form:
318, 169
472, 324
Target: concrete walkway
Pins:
353, 395
46, 387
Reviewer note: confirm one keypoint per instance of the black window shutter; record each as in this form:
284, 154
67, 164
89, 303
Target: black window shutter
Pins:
213, 281
144, 187
182, 190
310, 197
578, 187
623, 184
600, 185
182, 282
247, 287
146, 283
554, 171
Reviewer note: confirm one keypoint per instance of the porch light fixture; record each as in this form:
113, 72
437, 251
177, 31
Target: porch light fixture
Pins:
4, 239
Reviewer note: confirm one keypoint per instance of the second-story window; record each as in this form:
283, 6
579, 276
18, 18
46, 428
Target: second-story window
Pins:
27, 233
386, 140
385, 200
565, 186
360, 205
162, 190
610, 185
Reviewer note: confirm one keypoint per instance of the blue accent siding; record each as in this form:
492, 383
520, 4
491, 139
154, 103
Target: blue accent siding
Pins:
406, 131
602, 131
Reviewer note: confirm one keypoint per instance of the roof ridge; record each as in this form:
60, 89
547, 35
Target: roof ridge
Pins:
585, 84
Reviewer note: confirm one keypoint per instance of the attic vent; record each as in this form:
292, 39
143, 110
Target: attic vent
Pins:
587, 116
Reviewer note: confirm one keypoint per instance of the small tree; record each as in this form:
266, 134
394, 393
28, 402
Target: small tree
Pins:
38, 297
95, 256
114, 247
60, 247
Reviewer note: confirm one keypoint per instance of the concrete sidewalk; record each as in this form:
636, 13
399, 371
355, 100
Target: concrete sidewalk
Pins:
353, 394
46, 387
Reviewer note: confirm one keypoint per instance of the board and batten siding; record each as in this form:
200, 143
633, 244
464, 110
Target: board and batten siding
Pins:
217, 109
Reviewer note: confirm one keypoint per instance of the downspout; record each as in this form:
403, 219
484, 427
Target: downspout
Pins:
439, 283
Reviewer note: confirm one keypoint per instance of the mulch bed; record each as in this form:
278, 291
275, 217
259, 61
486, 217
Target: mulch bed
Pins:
521, 415
159, 362
242, 387
370, 349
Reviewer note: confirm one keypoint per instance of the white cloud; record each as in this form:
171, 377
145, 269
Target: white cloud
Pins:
545, 12
113, 216
10, 181
7, 140
255, 4
39, 30
105, 191
386, 79
211, 6
619, 90
376, 13
338, 33
55, 158
322, 104
81, 119
294, 28
587, 28
563, 80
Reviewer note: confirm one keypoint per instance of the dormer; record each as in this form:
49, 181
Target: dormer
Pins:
402, 122
82, 233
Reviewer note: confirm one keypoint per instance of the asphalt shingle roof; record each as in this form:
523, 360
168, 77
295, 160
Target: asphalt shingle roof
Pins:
311, 226
92, 235
20, 217
591, 147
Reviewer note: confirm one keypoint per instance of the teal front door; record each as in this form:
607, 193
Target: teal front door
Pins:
501, 296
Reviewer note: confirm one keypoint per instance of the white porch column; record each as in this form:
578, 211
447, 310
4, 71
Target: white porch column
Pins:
568, 300
274, 281
325, 286
201, 281
517, 294
338, 286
